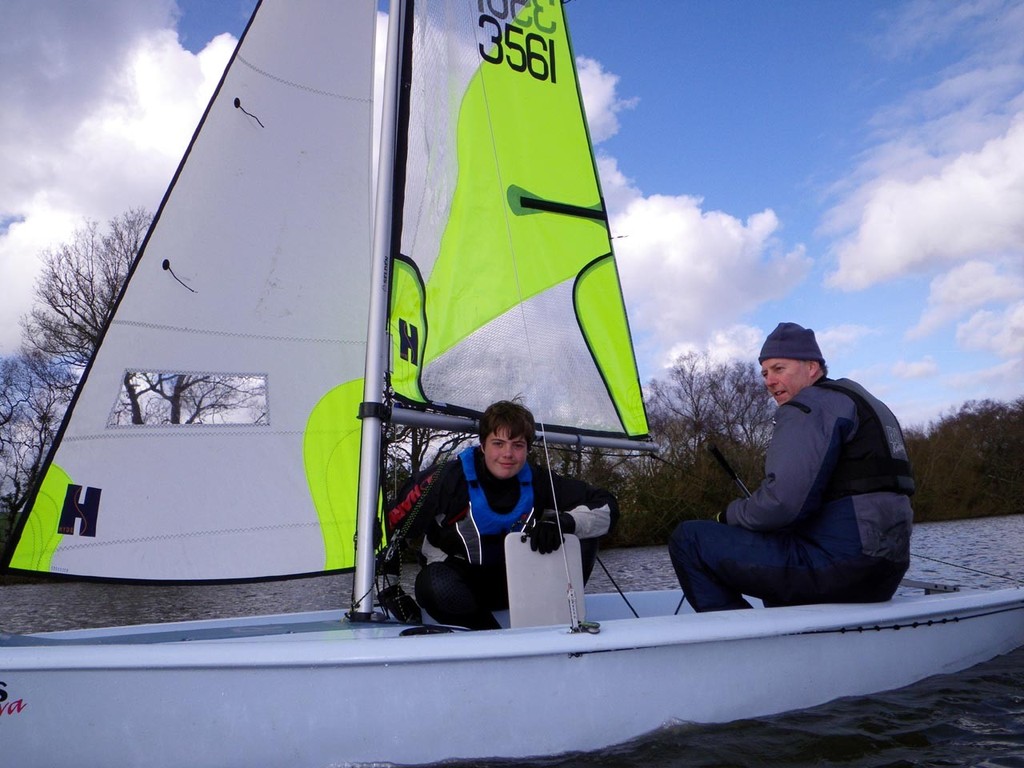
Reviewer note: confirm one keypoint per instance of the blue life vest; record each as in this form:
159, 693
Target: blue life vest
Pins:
485, 519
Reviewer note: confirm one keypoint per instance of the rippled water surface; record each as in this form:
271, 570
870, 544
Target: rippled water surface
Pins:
974, 718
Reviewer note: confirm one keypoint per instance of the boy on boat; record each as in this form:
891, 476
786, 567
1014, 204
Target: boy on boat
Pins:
831, 521
464, 508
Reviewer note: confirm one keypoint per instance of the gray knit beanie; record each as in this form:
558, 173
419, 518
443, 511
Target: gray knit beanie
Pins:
791, 341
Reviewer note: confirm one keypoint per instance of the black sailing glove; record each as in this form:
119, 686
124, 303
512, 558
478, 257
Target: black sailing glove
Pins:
544, 534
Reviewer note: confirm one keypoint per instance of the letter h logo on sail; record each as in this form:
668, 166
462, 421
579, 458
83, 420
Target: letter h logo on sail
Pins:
409, 344
85, 511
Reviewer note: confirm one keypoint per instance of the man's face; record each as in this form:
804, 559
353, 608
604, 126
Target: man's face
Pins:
784, 378
504, 456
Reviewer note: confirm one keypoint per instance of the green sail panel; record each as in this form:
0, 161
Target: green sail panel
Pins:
407, 326
505, 224
603, 322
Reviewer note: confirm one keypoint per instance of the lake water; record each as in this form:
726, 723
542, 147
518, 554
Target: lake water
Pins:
974, 718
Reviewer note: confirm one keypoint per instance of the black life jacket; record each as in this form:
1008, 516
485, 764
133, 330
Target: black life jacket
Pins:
876, 459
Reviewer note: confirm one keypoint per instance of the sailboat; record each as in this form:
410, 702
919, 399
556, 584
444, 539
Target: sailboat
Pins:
283, 307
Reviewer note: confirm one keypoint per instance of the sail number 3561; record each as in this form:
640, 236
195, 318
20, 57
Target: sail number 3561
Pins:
523, 46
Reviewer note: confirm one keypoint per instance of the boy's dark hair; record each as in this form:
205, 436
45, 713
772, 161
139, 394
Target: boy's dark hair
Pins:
516, 419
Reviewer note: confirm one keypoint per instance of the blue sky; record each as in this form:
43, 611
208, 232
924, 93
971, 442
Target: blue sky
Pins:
857, 167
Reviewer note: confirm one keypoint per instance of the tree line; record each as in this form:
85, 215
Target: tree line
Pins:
967, 463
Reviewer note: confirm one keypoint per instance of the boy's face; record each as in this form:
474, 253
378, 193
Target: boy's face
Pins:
504, 456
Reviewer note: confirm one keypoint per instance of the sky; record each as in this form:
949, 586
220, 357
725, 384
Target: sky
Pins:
855, 167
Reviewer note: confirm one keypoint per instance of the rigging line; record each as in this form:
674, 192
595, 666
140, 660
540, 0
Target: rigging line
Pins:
363, 596
570, 591
619, 589
968, 568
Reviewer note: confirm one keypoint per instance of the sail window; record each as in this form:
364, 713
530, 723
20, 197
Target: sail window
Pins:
160, 398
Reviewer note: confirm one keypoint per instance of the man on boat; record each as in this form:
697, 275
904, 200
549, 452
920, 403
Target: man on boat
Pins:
831, 521
464, 508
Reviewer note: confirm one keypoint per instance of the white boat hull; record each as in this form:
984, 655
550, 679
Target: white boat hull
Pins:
314, 690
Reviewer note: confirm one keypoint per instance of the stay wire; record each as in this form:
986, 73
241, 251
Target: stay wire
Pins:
570, 591
968, 568
618, 588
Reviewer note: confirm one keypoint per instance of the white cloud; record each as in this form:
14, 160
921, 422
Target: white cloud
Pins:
971, 206
600, 99
941, 191
743, 342
997, 382
937, 194
737, 342
967, 287
918, 369
618, 190
922, 25
687, 272
100, 101
840, 339
1001, 333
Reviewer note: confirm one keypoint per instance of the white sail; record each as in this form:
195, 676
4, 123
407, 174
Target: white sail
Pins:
239, 340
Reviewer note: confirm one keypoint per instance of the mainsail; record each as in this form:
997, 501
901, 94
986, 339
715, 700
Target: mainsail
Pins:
504, 284
214, 435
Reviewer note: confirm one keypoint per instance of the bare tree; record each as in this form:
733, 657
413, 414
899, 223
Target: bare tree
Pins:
32, 403
744, 412
181, 398
12, 398
682, 410
75, 294
78, 288
700, 403
408, 450
703, 401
